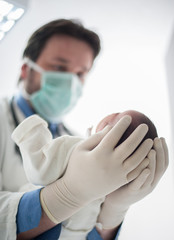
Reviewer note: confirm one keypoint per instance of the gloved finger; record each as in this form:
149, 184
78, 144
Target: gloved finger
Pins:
91, 142
131, 143
152, 167
136, 172
136, 184
166, 153
137, 157
112, 138
160, 160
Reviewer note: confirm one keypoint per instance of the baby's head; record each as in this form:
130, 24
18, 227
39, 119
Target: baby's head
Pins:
137, 119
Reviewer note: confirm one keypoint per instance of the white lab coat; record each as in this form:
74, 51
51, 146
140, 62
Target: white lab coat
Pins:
13, 180
12, 175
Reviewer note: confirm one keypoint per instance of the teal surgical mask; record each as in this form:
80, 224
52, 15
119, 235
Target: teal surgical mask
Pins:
58, 94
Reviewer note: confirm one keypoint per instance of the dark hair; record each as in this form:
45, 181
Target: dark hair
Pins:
73, 28
138, 119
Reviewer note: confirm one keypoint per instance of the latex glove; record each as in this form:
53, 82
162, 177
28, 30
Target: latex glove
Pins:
117, 203
96, 168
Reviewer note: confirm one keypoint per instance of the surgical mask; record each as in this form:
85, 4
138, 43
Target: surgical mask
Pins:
58, 94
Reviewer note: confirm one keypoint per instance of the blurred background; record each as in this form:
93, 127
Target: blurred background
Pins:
135, 70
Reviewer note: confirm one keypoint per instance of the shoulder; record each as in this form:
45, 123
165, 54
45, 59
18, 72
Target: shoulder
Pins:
4, 126
4, 109
6, 120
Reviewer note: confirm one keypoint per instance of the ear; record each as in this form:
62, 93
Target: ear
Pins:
24, 71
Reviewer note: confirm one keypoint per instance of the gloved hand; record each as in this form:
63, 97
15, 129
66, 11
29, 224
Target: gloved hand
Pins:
96, 168
117, 203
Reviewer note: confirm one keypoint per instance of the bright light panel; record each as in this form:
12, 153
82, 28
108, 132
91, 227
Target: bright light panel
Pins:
5, 7
16, 14
9, 15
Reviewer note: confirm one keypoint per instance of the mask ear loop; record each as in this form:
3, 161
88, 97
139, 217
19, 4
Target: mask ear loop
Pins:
33, 65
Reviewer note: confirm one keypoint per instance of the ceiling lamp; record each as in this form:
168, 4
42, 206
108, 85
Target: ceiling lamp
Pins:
10, 12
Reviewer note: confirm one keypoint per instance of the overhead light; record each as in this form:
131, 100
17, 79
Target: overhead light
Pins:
5, 7
7, 25
16, 14
10, 12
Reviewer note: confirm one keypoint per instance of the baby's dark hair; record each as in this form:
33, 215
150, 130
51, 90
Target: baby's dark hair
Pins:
137, 119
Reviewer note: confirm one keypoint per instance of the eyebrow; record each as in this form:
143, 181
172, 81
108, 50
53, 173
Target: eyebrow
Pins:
63, 60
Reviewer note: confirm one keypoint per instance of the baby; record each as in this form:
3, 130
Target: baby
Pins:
137, 119
45, 160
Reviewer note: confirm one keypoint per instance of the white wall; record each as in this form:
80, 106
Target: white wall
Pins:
129, 74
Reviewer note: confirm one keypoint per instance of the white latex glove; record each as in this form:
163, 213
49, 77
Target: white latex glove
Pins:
96, 168
117, 203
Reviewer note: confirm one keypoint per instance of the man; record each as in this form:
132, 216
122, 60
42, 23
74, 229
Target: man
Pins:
56, 61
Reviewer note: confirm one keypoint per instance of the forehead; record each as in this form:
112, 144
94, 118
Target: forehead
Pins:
131, 113
69, 48
114, 118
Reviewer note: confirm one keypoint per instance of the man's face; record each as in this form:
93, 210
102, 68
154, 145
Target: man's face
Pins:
61, 53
